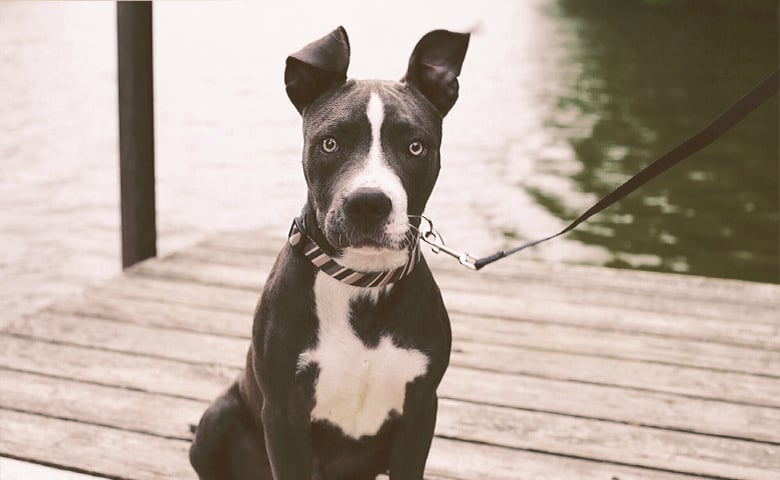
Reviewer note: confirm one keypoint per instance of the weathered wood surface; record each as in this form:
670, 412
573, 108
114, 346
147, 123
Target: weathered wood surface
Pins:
557, 372
11, 469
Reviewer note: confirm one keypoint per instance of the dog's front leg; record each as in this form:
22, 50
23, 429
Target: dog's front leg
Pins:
286, 413
413, 440
288, 442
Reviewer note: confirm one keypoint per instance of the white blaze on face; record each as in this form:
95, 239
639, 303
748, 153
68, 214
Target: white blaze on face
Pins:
376, 173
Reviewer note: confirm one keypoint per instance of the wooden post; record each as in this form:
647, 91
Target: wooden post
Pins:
136, 131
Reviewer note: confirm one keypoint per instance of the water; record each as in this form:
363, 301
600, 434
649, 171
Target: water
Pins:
649, 79
559, 103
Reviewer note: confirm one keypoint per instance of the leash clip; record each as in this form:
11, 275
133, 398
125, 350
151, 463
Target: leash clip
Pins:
435, 240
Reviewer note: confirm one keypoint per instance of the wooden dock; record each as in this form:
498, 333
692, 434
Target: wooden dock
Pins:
557, 372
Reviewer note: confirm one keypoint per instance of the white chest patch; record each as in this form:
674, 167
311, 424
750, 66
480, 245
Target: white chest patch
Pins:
357, 387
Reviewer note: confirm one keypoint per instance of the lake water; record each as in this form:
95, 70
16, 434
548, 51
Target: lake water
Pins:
560, 102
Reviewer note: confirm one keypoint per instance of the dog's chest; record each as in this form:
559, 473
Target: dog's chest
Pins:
358, 387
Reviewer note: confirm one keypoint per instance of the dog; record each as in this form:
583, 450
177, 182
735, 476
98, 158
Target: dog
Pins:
350, 337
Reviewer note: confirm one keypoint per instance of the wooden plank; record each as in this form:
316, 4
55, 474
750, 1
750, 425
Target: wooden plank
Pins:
512, 333
600, 319
640, 301
696, 383
183, 293
584, 341
155, 312
180, 265
93, 449
622, 405
745, 333
102, 409
481, 423
599, 401
669, 285
607, 441
155, 342
261, 244
166, 416
133, 372
518, 333
507, 304
11, 469
577, 399
132, 410
128, 455
579, 294
712, 384
470, 461
552, 310
616, 404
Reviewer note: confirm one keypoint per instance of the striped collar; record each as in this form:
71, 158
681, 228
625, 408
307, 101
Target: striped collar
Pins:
300, 241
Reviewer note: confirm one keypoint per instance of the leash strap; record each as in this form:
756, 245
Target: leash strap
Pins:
722, 124
327, 264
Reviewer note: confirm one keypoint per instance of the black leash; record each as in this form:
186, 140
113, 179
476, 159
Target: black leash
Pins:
722, 124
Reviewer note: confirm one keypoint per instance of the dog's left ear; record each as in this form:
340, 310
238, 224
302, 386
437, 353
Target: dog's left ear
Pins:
435, 65
316, 67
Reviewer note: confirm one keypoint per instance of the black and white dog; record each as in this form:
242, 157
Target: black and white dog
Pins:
350, 338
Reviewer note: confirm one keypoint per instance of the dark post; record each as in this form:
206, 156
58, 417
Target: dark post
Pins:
136, 131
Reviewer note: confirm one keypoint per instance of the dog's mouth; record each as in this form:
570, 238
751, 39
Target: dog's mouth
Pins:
369, 251
342, 234
342, 238
369, 243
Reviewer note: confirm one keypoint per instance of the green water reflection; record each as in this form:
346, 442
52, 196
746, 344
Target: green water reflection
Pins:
649, 78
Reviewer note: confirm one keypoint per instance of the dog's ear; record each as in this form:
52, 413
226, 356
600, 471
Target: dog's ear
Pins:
435, 65
316, 67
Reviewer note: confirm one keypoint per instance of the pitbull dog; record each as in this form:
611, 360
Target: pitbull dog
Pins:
350, 337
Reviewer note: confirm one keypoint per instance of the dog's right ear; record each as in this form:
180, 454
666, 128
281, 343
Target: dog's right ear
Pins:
317, 67
435, 65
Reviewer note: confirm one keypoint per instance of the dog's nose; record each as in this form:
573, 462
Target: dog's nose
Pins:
367, 206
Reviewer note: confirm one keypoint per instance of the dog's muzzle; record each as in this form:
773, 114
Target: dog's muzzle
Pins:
364, 216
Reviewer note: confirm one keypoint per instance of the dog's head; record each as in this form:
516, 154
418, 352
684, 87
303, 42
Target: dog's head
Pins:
371, 148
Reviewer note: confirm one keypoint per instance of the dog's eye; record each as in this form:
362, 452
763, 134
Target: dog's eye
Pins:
330, 145
416, 148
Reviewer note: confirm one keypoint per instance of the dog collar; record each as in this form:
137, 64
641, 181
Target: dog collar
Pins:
325, 263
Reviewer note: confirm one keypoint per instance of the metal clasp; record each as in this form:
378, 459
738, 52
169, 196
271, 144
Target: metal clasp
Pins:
435, 240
